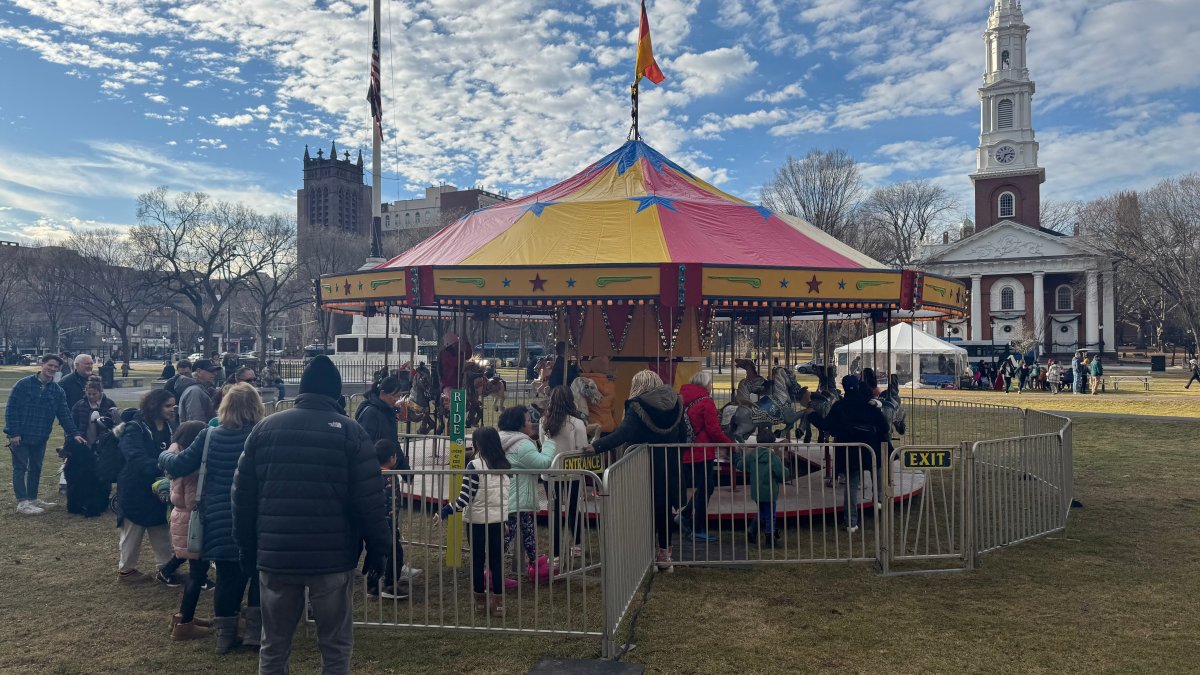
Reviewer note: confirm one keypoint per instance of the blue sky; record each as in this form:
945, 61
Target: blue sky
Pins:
105, 99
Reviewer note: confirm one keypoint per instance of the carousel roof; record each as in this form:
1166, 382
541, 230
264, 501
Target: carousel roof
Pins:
633, 206
632, 228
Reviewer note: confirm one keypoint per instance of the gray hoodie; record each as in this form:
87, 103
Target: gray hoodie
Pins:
195, 400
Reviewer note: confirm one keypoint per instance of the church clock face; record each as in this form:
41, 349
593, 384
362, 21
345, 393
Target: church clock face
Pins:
1005, 154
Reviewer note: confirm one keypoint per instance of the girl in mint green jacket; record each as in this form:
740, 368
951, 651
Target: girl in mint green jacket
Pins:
516, 430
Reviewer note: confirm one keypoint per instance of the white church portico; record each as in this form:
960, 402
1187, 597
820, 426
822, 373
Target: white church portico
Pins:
1024, 279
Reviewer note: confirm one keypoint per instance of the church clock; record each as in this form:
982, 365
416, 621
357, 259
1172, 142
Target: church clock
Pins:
1005, 154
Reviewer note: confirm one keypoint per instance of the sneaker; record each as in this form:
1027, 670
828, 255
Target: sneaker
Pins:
208, 585
409, 573
43, 505
662, 559
27, 508
396, 593
702, 536
852, 529
576, 551
168, 580
132, 577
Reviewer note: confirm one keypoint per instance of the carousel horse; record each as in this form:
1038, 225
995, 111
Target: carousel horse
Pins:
758, 402
893, 407
479, 386
541, 383
415, 406
586, 393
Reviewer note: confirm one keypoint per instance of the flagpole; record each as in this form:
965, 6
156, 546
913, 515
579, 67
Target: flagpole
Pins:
376, 149
634, 135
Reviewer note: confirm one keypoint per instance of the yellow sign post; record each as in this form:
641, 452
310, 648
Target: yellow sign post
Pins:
458, 460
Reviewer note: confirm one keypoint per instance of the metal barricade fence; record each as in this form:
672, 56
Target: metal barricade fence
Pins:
627, 538
765, 503
433, 582
949, 421
934, 524
1021, 489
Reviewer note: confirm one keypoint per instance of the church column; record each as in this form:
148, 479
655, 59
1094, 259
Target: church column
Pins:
1093, 310
976, 307
1110, 312
1039, 308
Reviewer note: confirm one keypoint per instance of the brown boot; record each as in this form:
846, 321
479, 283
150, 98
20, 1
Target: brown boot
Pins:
497, 606
481, 603
227, 634
203, 623
188, 631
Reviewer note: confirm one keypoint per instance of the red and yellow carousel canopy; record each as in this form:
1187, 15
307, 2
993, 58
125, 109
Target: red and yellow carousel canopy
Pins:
632, 227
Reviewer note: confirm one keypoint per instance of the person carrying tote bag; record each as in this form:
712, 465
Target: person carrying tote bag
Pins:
186, 537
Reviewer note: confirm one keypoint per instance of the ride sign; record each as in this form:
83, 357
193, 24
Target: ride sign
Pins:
925, 458
458, 460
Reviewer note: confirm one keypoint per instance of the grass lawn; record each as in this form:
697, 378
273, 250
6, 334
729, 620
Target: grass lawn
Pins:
1116, 593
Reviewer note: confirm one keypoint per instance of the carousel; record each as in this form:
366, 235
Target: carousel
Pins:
635, 260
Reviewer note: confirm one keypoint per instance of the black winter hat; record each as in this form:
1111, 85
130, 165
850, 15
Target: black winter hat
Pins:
321, 377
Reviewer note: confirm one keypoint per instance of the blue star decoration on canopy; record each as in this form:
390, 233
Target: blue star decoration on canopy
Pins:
841, 284
763, 211
783, 283
814, 285
536, 208
360, 285
570, 282
653, 200
539, 284
507, 282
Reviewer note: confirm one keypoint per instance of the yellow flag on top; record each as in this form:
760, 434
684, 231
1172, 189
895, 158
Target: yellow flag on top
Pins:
646, 66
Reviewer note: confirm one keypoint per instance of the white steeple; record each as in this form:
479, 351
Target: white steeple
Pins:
1006, 138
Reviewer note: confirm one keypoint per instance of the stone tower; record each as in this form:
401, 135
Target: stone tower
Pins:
333, 197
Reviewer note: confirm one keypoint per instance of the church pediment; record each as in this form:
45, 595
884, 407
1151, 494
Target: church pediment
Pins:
1007, 240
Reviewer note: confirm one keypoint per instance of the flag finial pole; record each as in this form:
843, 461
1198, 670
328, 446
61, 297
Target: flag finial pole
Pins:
634, 135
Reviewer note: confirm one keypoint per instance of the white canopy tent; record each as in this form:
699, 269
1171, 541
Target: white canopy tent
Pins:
918, 358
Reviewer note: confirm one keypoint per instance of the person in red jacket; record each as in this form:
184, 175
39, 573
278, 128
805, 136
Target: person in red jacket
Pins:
698, 461
451, 360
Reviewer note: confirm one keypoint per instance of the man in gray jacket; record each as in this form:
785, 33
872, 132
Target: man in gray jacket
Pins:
195, 394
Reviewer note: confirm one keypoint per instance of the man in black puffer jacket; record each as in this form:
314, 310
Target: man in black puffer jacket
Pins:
306, 495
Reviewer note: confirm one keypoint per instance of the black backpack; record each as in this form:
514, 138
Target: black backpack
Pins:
109, 460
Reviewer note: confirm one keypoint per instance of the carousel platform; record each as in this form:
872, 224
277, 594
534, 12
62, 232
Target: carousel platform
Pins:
811, 493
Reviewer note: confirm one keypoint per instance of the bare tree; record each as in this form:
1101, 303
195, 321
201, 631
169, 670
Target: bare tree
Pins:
10, 292
277, 288
1157, 234
110, 282
338, 251
908, 214
1060, 216
824, 188
45, 274
199, 249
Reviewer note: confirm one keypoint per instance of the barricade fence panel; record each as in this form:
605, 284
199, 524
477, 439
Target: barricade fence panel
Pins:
488, 566
933, 525
627, 537
724, 504
1021, 489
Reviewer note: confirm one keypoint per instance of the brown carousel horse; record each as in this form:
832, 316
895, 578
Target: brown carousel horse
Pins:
416, 405
479, 384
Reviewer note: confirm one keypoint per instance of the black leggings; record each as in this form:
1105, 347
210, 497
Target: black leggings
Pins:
523, 520
486, 542
197, 573
231, 585
665, 467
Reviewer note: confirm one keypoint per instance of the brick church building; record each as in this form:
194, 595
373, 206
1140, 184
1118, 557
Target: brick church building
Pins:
1024, 278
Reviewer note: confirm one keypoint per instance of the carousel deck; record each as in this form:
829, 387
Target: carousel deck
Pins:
811, 493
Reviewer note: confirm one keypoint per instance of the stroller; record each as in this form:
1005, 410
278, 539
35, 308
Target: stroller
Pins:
87, 491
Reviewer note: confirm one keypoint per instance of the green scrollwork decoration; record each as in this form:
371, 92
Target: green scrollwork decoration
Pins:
752, 282
601, 282
383, 282
859, 285
474, 281
940, 289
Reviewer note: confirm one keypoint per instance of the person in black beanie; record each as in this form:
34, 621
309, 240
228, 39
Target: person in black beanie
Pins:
307, 494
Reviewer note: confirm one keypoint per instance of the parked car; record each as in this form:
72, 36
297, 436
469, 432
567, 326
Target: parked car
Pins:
811, 367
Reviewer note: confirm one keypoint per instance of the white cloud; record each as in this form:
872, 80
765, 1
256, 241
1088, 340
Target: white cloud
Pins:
157, 98
232, 121
193, 83
791, 91
709, 72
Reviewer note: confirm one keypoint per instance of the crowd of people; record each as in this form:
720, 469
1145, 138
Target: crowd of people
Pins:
279, 507
1083, 374
264, 510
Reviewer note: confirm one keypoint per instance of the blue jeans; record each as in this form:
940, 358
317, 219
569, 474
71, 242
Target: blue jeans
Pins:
766, 517
854, 492
27, 469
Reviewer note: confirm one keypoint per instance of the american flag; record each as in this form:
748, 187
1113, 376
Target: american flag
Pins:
374, 92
